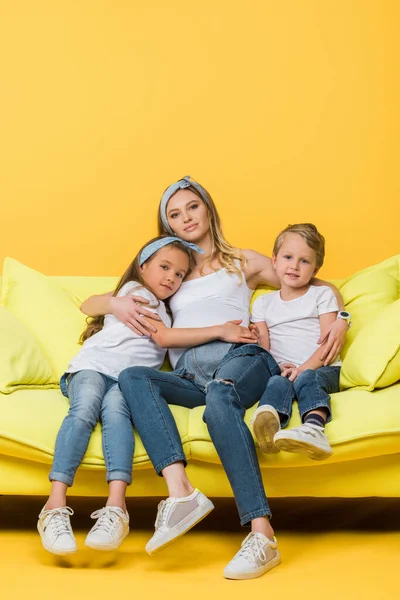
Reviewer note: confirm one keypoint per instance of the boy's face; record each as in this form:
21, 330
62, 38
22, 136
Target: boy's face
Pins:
295, 263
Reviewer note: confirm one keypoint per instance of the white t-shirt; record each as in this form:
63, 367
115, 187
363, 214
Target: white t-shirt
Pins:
116, 347
294, 327
210, 300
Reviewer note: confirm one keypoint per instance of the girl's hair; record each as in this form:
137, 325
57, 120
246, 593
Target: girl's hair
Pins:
221, 249
132, 273
310, 234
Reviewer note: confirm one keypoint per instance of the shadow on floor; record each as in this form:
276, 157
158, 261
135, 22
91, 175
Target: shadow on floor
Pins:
292, 514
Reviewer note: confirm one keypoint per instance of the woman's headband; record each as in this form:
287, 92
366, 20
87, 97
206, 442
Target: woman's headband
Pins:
160, 243
186, 182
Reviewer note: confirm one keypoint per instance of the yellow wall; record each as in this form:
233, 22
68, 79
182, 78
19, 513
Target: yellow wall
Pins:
286, 111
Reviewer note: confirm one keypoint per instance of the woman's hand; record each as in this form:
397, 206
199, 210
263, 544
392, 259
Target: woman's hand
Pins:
131, 312
333, 341
232, 332
290, 371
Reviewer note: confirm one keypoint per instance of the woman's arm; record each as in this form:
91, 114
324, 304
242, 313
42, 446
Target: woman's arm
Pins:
126, 309
259, 270
169, 337
338, 296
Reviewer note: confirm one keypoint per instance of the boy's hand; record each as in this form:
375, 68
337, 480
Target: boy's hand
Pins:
292, 372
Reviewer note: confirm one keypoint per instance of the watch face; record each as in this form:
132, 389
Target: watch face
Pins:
344, 314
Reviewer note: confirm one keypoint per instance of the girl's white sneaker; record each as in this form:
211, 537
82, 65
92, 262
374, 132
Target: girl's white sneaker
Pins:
55, 530
110, 529
257, 555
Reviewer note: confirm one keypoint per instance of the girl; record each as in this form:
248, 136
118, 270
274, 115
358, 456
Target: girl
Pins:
91, 385
227, 378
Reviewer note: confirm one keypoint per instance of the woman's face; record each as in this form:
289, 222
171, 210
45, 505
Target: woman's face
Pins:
188, 216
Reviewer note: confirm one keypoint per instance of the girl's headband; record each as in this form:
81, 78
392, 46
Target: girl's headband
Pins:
186, 182
160, 243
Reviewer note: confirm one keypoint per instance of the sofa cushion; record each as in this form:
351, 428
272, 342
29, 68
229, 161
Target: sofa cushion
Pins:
22, 360
30, 423
373, 360
48, 310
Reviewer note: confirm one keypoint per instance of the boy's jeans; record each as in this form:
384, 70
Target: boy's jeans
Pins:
228, 380
93, 396
311, 389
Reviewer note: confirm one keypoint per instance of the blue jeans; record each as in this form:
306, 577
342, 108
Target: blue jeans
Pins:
227, 380
311, 389
93, 396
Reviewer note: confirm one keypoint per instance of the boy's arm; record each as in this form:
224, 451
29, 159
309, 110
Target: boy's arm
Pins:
333, 339
315, 361
261, 330
169, 337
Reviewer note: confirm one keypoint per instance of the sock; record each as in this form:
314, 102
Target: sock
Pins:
314, 419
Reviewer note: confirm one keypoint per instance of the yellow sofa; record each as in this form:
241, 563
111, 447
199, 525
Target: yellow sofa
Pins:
40, 323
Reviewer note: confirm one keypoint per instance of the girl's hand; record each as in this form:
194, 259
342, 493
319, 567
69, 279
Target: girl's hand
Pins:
130, 311
232, 332
255, 330
333, 341
291, 373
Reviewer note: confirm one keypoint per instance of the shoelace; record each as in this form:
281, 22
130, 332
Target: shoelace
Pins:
59, 520
107, 518
252, 548
163, 513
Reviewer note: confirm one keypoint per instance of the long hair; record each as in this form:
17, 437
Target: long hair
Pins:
132, 273
221, 250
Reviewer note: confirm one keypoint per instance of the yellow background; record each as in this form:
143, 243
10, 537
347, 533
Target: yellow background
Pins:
286, 111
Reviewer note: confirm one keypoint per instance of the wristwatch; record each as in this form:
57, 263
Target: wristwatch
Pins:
346, 316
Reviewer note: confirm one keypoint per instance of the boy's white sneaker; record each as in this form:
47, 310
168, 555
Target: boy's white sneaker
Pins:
110, 529
55, 530
257, 555
266, 423
175, 517
306, 439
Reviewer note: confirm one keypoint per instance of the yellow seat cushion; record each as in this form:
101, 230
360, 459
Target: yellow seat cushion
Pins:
373, 359
22, 360
30, 423
48, 309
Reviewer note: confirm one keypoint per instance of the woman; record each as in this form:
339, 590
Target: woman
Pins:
227, 378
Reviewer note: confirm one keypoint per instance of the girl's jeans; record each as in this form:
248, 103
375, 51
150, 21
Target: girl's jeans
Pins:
93, 396
227, 379
311, 389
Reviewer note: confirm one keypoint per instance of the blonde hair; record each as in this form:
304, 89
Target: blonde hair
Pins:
132, 273
221, 251
310, 234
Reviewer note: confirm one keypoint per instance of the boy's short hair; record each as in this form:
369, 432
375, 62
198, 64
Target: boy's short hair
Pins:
310, 234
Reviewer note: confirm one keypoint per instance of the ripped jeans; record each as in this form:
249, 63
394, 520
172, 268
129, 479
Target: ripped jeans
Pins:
227, 379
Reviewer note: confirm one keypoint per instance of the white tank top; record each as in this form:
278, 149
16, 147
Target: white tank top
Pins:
209, 300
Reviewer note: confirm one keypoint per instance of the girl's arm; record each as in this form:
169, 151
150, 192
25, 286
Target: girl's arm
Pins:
261, 331
127, 309
169, 337
315, 361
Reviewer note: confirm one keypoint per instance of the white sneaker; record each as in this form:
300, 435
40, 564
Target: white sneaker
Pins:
175, 517
55, 530
266, 423
110, 529
306, 439
257, 555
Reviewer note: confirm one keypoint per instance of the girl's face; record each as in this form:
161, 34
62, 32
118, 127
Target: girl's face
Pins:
188, 216
295, 262
165, 271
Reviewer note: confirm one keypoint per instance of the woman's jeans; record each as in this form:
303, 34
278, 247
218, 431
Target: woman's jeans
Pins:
227, 379
311, 389
93, 396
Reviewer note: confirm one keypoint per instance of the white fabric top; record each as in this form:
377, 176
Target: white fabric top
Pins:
209, 300
294, 327
116, 347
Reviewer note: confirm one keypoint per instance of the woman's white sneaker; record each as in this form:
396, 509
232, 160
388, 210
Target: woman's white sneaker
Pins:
266, 423
110, 529
55, 530
175, 517
306, 439
257, 555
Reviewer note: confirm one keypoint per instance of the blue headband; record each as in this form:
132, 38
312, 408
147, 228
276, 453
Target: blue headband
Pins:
186, 182
158, 244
